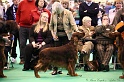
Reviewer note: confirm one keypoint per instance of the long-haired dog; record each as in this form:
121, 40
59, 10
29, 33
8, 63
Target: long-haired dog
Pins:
2, 57
64, 56
120, 46
5, 28
2, 47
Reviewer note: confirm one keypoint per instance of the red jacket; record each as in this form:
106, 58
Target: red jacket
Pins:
23, 13
35, 15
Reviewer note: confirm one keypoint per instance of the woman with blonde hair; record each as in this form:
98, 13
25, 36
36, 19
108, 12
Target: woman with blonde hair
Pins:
40, 38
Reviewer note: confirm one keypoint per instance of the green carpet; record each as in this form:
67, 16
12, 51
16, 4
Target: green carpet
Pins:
17, 75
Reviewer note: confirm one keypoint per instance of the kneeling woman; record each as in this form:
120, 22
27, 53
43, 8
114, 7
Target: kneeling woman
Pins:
40, 37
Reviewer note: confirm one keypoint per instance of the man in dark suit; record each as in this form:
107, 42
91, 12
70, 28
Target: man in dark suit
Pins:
88, 8
11, 15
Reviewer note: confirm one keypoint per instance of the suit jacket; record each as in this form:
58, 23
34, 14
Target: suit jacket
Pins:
117, 18
68, 23
86, 31
9, 13
91, 11
102, 32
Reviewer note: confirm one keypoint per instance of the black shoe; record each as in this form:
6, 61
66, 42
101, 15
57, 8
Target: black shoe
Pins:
102, 67
86, 67
106, 68
25, 69
59, 72
54, 73
83, 53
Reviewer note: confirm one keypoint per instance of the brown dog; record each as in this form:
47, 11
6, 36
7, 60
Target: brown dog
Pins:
64, 56
2, 57
120, 46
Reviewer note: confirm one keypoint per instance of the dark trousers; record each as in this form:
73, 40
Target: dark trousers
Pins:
104, 53
16, 38
6, 52
30, 52
23, 36
62, 41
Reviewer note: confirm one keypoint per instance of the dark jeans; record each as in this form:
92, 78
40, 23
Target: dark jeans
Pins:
23, 36
30, 52
62, 41
16, 38
6, 52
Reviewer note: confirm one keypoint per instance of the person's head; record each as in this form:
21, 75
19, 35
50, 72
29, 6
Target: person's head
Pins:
105, 19
86, 21
55, 1
65, 3
29, 0
16, 2
57, 8
40, 3
44, 17
89, 0
43, 20
118, 4
108, 3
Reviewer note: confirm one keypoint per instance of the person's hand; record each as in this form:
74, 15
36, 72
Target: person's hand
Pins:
55, 37
91, 33
39, 46
18, 27
34, 44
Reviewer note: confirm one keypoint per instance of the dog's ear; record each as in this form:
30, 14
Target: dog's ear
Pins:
79, 35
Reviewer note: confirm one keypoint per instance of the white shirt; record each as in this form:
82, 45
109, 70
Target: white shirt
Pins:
1, 11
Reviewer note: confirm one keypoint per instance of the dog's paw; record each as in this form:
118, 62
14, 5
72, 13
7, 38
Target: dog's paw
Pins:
37, 76
75, 74
2, 76
121, 77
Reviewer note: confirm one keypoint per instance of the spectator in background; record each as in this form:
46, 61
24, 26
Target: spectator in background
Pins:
62, 25
6, 5
107, 7
86, 46
118, 5
11, 15
49, 6
105, 44
65, 4
117, 17
40, 7
112, 12
40, 38
1, 10
23, 20
89, 8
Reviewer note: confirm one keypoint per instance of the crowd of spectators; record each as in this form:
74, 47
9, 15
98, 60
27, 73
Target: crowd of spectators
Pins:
59, 20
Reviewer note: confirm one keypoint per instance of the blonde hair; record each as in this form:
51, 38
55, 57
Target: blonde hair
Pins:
86, 18
38, 26
65, 1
